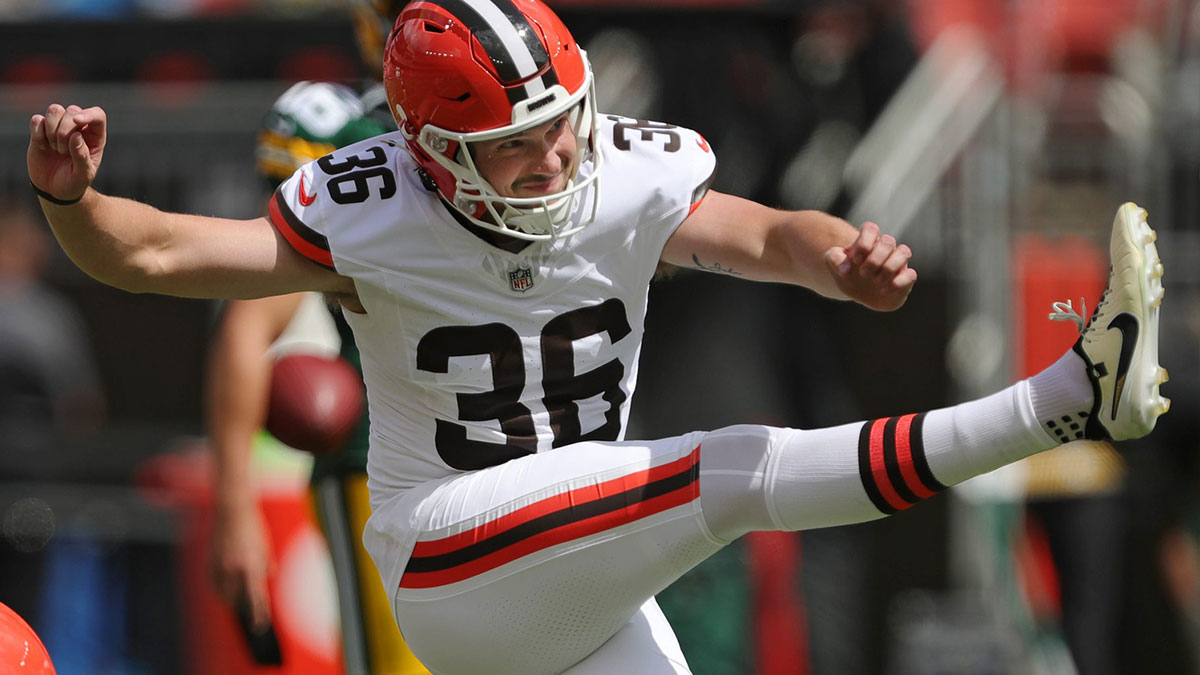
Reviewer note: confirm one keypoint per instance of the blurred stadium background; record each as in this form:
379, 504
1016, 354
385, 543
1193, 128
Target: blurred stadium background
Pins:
996, 137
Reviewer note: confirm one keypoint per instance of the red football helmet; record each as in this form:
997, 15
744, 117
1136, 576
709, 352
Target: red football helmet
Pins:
21, 652
460, 71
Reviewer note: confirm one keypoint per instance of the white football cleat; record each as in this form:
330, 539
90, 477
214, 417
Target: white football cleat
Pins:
1120, 342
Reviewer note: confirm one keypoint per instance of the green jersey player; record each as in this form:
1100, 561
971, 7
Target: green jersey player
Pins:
310, 120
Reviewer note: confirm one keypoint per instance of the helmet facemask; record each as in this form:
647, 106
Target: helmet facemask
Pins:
531, 218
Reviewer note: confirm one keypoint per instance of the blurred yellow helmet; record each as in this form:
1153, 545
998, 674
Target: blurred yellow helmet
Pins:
373, 21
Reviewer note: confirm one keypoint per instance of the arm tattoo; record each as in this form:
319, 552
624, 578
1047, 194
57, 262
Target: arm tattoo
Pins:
715, 267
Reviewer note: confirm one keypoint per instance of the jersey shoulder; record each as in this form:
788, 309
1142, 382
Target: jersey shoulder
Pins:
669, 165
359, 187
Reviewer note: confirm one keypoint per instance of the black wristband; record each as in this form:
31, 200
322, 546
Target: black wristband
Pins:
55, 200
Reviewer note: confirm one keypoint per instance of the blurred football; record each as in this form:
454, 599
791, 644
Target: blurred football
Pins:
315, 402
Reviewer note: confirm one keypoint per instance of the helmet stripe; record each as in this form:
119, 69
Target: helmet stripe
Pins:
548, 80
505, 34
533, 87
517, 18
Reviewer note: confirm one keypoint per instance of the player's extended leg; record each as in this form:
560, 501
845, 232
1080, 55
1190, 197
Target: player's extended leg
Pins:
1106, 387
530, 566
371, 642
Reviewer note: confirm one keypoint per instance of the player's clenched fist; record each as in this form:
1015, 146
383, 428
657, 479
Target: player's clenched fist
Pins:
873, 270
65, 147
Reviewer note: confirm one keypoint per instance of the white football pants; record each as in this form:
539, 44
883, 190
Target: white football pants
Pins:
549, 563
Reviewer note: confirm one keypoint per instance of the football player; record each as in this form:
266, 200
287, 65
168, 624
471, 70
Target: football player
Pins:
497, 249
310, 120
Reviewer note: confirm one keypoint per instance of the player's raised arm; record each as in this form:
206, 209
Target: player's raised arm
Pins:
139, 248
807, 248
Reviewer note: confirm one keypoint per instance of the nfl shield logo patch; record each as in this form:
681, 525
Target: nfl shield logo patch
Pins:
521, 279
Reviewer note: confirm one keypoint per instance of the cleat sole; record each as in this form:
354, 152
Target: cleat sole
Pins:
1152, 289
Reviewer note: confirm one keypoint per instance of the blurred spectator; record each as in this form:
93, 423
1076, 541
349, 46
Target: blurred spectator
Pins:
48, 385
49, 400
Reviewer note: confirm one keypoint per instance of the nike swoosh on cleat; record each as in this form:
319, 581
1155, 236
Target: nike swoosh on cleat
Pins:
1128, 325
305, 198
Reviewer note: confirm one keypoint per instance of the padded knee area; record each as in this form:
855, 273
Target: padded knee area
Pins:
755, 478
733, 475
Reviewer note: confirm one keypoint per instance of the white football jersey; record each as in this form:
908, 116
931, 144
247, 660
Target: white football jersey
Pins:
473, 355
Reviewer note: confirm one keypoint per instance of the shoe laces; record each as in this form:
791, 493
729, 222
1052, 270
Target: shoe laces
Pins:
1064, 311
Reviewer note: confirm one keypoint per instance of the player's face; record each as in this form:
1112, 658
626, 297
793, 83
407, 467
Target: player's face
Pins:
533, 163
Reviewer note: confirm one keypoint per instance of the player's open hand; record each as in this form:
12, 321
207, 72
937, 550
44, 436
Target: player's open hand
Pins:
65, 147
240, 561
873, 270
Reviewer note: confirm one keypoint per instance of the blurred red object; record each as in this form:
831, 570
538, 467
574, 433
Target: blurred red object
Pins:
175, 66
1046, 271
319, 64
175, 78
300, 585
21, 651
780, 623
31, 70
30, 81
1033, 38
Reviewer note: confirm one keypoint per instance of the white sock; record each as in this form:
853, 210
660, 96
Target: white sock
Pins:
1062, 397
866, 470
979, 436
